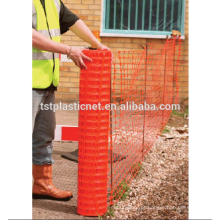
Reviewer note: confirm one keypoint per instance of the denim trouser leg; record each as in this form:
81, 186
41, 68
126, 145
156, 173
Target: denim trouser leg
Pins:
43, 127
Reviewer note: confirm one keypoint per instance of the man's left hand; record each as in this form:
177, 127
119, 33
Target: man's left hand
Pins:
103, 47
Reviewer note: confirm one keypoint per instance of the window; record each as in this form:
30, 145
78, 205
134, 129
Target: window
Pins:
145, 18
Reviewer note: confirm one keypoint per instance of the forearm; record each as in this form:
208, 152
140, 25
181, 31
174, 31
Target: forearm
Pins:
41, 42
81, 30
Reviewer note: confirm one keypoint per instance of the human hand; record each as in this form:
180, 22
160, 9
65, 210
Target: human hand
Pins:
103, 47
77, 56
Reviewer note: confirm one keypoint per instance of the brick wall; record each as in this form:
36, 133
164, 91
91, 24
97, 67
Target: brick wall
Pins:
90, 12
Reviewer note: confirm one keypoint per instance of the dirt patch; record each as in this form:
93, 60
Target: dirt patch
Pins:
179, 118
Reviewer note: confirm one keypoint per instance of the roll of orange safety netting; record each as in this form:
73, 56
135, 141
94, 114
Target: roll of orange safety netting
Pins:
94, 97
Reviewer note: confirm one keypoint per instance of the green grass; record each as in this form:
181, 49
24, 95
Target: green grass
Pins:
166, 130
122, 190
110, 212
181, 114
136, 168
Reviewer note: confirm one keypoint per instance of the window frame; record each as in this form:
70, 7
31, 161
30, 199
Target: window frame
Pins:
138, 33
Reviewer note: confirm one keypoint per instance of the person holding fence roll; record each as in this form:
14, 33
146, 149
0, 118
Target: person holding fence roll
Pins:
50, 19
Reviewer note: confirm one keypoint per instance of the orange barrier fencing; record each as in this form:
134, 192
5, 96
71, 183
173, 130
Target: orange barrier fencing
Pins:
139, 88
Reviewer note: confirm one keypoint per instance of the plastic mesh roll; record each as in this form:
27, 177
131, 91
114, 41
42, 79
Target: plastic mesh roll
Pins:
94, 133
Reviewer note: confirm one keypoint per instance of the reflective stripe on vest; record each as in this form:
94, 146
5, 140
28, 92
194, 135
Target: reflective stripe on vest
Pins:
53, 32
45, 65
44, 56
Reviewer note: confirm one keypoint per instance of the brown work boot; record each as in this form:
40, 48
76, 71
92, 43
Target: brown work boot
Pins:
43, 187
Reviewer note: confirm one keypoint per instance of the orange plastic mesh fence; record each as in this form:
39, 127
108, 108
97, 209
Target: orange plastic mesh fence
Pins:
144, 82
112, 144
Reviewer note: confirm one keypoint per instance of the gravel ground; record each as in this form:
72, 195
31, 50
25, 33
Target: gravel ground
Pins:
160, 190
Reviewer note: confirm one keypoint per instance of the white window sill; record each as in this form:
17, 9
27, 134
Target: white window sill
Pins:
137, 36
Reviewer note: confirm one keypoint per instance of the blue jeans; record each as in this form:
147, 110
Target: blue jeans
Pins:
43, 127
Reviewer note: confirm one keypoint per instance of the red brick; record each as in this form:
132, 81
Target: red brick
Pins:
64, 68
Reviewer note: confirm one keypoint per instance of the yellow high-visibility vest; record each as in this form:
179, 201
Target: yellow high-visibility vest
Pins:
45, 65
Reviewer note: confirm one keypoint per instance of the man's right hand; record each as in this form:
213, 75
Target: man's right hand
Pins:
77, 56
41, 42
